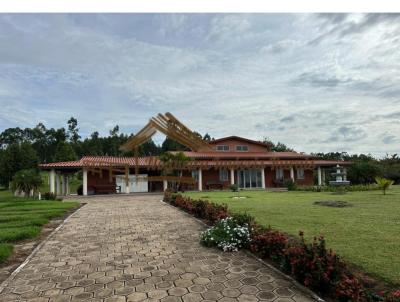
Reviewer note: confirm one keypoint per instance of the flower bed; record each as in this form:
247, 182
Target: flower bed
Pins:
312, 264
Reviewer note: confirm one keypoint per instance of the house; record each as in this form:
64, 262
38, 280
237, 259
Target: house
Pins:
230, 160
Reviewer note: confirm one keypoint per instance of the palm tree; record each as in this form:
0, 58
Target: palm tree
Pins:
383, 183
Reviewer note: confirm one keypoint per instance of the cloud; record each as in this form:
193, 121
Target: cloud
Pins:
253, 75
389, 139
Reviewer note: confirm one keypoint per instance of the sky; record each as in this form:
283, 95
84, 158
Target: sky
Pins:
316, 82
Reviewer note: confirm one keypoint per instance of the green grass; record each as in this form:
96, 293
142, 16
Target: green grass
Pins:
366, 234
22, 218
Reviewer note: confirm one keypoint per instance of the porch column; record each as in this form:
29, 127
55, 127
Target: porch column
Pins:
67, 185
165, 185
52, 181
263, 178
232, 176
58, 184
319, 176
292, 174
85, 184
200, 181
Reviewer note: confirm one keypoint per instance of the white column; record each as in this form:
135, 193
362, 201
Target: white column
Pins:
200, 181
85, 183
165, 185
58, 184
292, 174
52, 181
67, 185
263, 178
232, 176
319, 176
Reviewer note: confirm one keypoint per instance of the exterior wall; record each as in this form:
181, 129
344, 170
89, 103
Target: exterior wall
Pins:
269, 177
232, 143
308, 178
211, 177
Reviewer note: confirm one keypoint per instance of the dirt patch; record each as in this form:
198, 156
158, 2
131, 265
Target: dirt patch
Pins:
24, 248
333, 203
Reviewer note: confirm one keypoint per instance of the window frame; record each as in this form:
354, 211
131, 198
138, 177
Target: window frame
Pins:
303, 176
225, 148
223, 174
242, 148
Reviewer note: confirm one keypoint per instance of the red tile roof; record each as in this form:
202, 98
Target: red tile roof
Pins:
154, 162
250, 155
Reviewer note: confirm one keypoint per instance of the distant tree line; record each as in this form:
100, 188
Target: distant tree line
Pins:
26, 148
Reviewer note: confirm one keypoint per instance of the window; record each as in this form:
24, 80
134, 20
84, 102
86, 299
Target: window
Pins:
300, 173
222, 148
249, 178
279, 174
242, 148
223, 175
195, 174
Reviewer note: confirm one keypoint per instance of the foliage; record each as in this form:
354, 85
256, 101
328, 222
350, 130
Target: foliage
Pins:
171, 145
27, 181
227, 235
383, 183
64, 152
363, 172
277, 147
243, 219
349, 289
270, 244
5, 251
202, 209
351, 188
15, 158
49, 196
234, 188
393, 296
290, 184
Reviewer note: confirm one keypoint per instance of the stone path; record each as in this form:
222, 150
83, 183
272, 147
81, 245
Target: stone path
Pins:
135, 248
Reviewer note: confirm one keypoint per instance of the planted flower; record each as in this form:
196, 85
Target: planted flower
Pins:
227, 235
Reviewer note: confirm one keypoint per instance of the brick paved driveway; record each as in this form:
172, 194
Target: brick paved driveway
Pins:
135, 248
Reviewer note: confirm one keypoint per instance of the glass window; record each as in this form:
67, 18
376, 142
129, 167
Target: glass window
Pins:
300, 173
222, 148
259, 179
223, 175
279, 174
242, 148
253, 174
195, 174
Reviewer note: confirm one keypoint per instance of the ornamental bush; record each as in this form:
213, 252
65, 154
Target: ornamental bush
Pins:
270, 244
227, 235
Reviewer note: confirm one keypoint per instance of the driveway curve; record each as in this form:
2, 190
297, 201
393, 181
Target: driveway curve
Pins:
135, 248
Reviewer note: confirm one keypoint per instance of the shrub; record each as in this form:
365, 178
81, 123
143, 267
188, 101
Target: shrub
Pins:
49, 196
349, 289
313, 265
234, 188
27, 181
392, 296
243, 219
290, 184
383, 184
227, 235
270, 244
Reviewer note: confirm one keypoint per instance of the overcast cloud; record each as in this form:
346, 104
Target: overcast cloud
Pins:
318, 83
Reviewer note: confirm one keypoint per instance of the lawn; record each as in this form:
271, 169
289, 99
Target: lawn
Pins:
22, 218
366, 234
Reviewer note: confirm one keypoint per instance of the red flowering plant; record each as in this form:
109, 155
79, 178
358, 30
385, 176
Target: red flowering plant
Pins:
270, 244
314, 265
349, 289
392, 296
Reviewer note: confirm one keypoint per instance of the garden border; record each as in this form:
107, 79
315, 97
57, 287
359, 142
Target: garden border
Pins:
248, 253
6, 282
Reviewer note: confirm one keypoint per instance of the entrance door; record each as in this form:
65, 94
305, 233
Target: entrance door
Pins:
249, 179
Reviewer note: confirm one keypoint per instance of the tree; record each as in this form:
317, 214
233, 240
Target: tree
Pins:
172, 145
279, 147
73, 130
64, 152
383, 183
27, 180
15, 158
174, 163
363, 172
